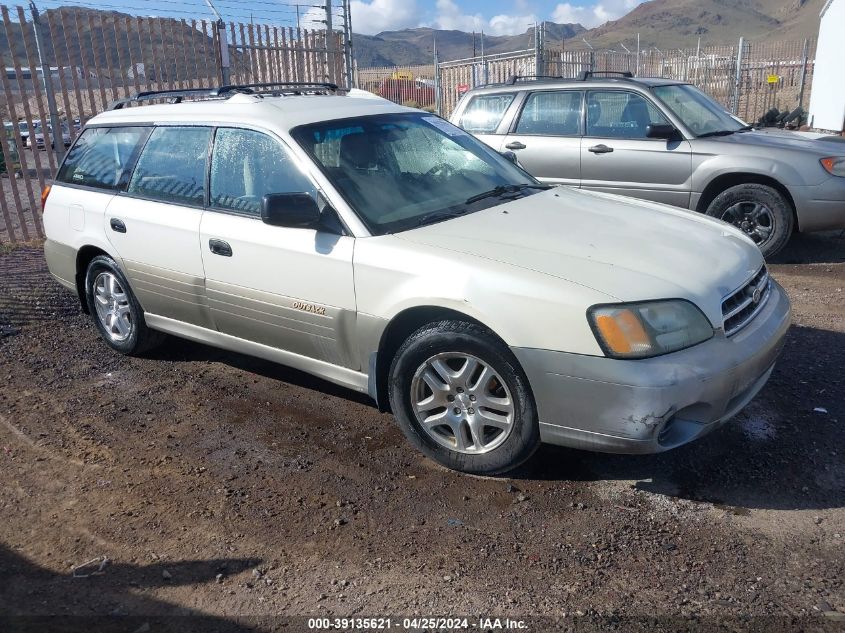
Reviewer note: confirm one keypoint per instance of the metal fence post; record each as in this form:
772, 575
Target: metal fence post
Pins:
438, 98
47, 79
738, 76
803, 74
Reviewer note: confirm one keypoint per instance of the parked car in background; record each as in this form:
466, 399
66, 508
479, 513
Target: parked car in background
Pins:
386, 250
408, 91
40, 143
665, 141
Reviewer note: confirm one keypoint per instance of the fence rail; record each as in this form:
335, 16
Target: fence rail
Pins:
747, 78
63, 66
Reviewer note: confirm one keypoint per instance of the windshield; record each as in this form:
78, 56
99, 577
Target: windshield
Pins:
702, 115
400, 171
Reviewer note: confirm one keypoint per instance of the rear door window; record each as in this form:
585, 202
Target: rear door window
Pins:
551, 113
172, 166
484, 113
101, 156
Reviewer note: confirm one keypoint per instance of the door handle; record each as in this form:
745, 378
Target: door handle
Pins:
117, 225
219, 247
600, 149
515, 145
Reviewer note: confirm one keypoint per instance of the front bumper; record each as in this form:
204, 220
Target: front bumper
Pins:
652, 405
820, 207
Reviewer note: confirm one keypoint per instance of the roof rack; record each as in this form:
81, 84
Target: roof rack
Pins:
514, 78
622, 74
276, 88
176, 95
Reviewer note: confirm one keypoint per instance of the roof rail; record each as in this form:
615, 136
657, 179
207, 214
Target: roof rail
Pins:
622, 74
273, 87
177, 96
514, 78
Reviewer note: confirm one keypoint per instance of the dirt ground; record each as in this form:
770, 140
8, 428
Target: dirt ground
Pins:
222, 486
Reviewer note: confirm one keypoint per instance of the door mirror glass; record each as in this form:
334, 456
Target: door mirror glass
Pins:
660, 130
293, 210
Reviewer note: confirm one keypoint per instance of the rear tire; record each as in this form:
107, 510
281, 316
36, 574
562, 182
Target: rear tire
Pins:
117, 315
759, 211
462, 399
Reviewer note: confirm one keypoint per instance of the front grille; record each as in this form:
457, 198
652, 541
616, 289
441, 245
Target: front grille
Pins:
741, 306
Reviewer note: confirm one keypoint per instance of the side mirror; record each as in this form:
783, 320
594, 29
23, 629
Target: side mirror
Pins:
511, 156
661, 130
293, 210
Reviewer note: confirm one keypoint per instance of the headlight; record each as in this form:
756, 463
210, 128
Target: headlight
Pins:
834, 165
651, 328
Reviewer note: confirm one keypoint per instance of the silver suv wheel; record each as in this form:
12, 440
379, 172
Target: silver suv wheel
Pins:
112, 304
753, 218
461, 403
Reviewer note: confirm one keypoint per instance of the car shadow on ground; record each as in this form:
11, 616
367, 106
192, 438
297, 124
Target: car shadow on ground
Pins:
784, 451
110, 600
181, 350
827, 247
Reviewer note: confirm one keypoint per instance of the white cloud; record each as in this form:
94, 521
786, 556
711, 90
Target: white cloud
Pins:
450, 16
376, 16
593, 15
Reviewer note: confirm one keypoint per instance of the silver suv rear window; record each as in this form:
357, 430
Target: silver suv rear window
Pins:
484, 113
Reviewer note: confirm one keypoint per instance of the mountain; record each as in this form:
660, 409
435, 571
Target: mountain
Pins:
102, 38
416, 46
679, 23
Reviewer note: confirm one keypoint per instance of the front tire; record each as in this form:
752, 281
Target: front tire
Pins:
462, 399
759, 211
117, 315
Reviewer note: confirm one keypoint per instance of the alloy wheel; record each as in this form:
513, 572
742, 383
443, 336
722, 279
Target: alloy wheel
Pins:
113, 309
462, 403
752, 218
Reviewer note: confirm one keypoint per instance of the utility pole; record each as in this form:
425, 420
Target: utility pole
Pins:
47, 79
347, 42
223, 45
331, 49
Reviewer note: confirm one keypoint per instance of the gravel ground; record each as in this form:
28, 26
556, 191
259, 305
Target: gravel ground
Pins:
228, 487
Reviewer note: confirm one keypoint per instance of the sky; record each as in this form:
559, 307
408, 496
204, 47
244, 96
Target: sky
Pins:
494, 17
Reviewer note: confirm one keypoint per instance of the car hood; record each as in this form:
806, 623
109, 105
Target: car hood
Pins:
627, 249
782, 139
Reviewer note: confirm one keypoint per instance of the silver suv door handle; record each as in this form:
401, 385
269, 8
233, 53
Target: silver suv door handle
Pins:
515, 145
600, 149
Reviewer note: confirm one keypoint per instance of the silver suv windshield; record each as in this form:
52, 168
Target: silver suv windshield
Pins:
702, 115
401, 171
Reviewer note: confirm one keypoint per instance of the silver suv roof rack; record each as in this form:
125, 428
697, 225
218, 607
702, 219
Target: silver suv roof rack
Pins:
272, 88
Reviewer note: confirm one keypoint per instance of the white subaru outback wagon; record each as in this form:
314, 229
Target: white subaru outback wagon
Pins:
386, 250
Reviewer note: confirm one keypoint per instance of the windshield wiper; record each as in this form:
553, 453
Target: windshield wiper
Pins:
438, 215
501, 190
744, 128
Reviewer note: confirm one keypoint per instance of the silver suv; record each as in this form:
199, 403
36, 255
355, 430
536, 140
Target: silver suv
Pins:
665, 141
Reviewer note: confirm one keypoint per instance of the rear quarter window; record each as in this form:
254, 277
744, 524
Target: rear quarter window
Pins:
484, 113
101, 156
